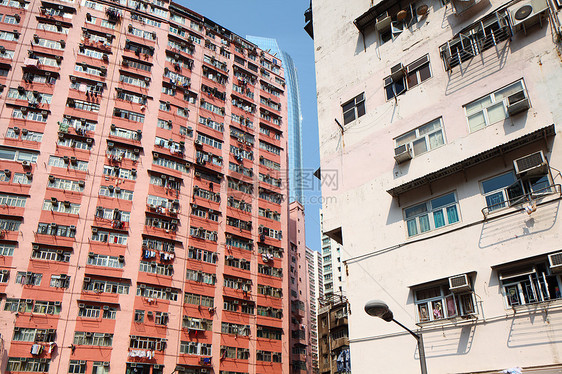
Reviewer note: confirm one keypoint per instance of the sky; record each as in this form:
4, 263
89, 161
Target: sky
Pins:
284, 21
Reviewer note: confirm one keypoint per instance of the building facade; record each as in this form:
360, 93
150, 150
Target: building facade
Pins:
316, 293
144, 212
294, 115
441, 121
299, 341
333, 335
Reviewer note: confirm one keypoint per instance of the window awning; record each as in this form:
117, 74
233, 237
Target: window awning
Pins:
502, 149
366, 19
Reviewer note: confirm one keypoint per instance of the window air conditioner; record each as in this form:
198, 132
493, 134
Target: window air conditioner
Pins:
517, 103
383, 21
403, 153
533, 164
555, 261
459, 283
526, 13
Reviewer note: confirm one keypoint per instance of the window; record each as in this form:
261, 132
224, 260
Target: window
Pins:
139, 316
407, 78
100, 285
95, 259
353, 109
529, 283
7, 249
424, 138
438, 302
195, 348
17, 155
62, 163
491, 108
499, 190
60, 281
89, 311
156, 292
31, 365
47, 307
506, 190
417, 72
93, 339
76, 367
29, 278
432, 214
101, 367
194, 299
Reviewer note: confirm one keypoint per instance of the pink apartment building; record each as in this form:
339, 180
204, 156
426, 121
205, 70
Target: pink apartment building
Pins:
300, 339
143, 193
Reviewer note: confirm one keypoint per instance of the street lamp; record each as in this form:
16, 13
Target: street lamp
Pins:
378, 308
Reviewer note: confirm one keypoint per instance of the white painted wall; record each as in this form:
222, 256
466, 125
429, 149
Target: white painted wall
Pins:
371, 220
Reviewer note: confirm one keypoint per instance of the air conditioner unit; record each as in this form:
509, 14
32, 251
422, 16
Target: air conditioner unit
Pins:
526, 13
403, 153
383, 21
533, 164
517, 102
555, 261
397, 71
459, 283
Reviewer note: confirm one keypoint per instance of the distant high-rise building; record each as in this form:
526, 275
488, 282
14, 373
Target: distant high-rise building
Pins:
294, 115
331, 265
316, 292
300, 347
143, 198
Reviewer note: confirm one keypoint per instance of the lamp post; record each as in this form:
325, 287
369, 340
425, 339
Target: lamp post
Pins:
378, 308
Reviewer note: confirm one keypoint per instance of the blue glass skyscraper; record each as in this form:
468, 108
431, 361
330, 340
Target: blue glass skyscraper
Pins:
294, 115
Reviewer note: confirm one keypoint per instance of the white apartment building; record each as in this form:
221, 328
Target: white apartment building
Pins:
316, 292
331, 265
440, 120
